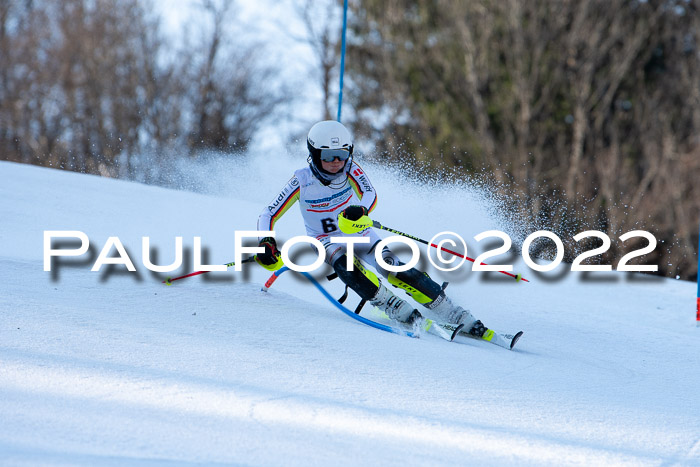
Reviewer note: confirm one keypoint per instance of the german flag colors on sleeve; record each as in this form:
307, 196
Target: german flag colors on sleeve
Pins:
363, 187
281, 204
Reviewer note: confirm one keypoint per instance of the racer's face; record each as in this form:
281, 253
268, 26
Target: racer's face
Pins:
333, 167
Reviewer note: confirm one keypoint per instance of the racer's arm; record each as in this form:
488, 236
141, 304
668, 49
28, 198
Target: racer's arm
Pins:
354, 219
363, 188
281, 204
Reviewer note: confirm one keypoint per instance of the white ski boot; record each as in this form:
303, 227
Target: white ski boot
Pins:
455, 314
394, 307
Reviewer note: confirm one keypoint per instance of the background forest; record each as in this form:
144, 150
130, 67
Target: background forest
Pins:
585, 115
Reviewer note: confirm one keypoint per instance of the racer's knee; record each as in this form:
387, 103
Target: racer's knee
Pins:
363, 281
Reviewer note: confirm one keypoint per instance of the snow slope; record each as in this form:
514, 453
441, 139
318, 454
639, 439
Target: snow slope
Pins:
113, 368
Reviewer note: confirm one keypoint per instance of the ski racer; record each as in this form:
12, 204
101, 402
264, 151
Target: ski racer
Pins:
335, 196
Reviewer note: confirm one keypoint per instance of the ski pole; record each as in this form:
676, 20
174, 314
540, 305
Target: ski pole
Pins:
377, 225
170, 280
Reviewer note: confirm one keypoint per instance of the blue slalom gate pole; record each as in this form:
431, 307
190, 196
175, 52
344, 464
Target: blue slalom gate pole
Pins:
338, 305
342, 55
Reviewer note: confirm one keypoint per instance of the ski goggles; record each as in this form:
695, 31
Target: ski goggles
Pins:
329, 155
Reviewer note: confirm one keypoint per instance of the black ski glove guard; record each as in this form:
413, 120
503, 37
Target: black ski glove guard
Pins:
353, 213
269, 257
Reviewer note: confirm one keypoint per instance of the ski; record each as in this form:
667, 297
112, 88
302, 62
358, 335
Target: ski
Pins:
507, 341
449, 332
431, 327
424, 325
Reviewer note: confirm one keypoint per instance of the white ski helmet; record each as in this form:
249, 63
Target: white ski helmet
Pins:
327, 141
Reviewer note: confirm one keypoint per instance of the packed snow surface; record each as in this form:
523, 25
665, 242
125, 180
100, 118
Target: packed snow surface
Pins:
115, 368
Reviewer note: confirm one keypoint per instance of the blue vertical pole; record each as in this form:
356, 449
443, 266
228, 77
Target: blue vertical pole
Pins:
697, 303
342, 55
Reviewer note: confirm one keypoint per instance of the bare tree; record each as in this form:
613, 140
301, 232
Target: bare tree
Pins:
86, 85
235, 91
323, 36
585, 112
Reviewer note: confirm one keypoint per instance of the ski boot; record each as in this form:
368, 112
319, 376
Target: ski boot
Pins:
456, 315
396, 308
